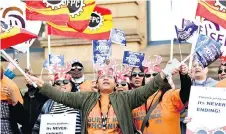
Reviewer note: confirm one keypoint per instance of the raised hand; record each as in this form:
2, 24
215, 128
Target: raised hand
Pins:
11, 94
184, 69
38, 81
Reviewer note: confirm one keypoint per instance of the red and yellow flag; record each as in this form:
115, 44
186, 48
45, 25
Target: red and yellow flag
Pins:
213, 11
48, 11
80, 12
99, 27
14, 36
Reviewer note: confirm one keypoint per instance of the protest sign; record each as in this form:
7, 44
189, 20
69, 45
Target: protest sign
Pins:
133, 59
207, 50
102, 51
118, 36
207, 108
56, 59
58, 124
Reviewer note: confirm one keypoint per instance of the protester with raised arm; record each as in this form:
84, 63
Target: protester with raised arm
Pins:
105, 111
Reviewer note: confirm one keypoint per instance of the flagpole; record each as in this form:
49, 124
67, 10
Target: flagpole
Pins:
94, 77
17, 66
49, 51
171, 42
28, 58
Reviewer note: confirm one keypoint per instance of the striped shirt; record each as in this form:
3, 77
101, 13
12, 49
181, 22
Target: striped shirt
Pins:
62, 109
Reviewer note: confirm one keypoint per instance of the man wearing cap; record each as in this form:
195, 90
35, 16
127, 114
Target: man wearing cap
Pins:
78, 77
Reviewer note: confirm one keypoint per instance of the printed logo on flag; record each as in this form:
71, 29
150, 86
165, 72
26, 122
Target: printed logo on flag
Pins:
100, 59
188, 29
76, 7
96, 21
102, 47
101, 51
118, 36
212, 30
133, 59
56, 59
207, 50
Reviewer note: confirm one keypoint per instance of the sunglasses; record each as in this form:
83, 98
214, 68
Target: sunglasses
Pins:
149, 75
221, 71
61, 82
122, 84
140, 74
76, 67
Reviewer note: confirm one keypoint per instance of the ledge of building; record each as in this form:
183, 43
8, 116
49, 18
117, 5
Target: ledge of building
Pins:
57, 41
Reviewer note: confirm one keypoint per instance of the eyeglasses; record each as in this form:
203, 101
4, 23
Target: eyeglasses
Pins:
79, 68
62, 82
149, 75
221, 71
108, 76
140, 74
122, 84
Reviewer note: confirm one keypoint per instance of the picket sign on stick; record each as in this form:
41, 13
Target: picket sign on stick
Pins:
16, 65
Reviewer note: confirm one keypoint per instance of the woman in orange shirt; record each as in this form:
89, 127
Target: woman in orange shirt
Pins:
165, 118
11, 106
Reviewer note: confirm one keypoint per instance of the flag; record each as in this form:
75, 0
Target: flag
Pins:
14, 36
102, 51
80, 12
102, 47
99, 27
118, 36
212, 30
133, 59
56, 59
213, 11
207, 50
188, 30
45, 64
47, 10
13, 14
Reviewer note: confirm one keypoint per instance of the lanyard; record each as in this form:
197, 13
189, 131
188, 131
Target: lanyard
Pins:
104, 117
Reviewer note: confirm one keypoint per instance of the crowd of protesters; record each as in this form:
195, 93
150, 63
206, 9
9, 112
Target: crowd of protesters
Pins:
121, 100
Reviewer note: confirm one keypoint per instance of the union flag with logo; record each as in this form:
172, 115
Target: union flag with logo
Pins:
213, 10
47, 10
80, 12
99, 27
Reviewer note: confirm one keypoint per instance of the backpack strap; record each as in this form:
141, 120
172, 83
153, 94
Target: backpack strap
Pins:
148, 114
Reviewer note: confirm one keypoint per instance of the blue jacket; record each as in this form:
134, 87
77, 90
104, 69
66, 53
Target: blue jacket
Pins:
209, 82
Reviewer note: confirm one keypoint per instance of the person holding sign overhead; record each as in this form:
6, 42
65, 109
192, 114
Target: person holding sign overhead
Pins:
105, 111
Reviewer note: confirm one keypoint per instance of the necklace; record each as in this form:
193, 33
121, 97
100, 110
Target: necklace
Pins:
104, 117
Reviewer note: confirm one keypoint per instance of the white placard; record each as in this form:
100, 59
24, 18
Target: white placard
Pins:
207, 108
58, 124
